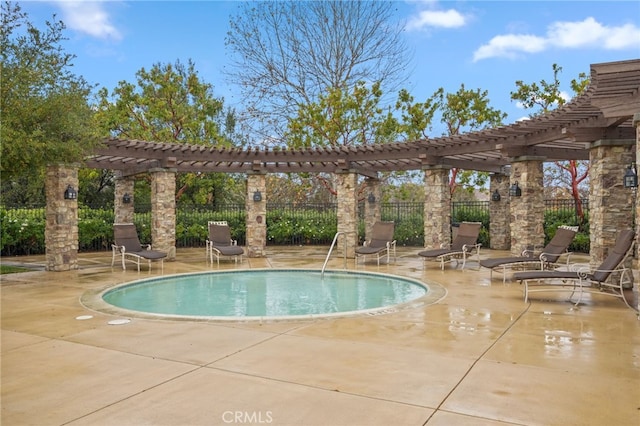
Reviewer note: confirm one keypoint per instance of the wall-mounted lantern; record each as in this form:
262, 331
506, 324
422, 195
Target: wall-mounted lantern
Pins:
257, 196
371, 198
495, 196
514, 190
126, 198
631, 177
70, 193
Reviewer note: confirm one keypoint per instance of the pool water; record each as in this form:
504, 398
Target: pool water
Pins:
265, 293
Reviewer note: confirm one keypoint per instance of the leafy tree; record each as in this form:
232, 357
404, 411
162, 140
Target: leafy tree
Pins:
464, 111
285, 54
96, 187
546, 97
416, 117
170, 103
342, 117
24, 190
45, 113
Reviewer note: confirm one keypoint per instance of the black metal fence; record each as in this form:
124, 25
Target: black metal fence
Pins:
22, 227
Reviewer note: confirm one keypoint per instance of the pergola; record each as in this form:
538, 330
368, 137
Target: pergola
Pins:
601, 125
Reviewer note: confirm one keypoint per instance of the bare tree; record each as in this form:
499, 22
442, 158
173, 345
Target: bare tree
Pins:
283, 55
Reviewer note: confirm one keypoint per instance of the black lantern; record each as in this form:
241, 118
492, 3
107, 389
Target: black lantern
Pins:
495, 196
257, 196
70, 193
631, 177
515, 190
126, 198
371, 198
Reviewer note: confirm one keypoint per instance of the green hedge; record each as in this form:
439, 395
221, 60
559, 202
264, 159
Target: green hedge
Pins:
285, 226
23, 228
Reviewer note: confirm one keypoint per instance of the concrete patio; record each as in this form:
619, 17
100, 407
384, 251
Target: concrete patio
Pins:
477, 355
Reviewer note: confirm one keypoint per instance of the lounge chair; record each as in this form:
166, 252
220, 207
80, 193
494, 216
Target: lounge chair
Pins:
220, 243
464, 245
608, 279
381, 242
127, 245
550, 255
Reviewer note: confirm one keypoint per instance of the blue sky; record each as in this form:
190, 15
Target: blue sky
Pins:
486, 45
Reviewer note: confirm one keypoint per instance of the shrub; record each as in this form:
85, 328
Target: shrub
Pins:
23, 228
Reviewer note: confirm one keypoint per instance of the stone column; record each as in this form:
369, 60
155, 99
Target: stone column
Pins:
437, 206
611, 205
61, 228
163, 211
636, 266
256, 214
527, 211
123, 211
499, 225
347, 213
371, 205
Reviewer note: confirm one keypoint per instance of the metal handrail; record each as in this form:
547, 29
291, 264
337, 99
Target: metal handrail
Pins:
333, 243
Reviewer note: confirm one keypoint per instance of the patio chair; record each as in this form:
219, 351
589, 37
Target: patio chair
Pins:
464, 245
127, 246
608, 278
550, 255
380, 243
220, 243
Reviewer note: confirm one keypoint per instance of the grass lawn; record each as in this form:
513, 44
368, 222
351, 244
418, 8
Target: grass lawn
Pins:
8, 269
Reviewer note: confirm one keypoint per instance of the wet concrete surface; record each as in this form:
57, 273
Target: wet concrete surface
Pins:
474, 354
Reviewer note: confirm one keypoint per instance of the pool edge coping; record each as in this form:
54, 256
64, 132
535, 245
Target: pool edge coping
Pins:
93, 300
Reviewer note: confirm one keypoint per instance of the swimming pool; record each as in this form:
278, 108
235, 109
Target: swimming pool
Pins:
266, 294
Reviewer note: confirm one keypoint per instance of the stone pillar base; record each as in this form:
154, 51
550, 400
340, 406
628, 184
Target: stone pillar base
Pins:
256, 206
61, 229
255, 251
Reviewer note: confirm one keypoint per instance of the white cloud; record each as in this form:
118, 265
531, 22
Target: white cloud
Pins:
564, 35
436, 18
510, 46
575, 34
88, 17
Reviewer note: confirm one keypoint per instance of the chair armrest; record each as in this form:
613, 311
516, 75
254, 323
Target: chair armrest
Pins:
584, 270
467, 248
116, 248
568, 254
543, 256
531, 252
579, 267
